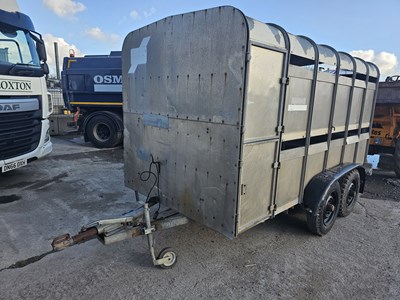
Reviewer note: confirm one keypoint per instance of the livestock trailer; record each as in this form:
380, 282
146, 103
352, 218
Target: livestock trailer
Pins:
230, 121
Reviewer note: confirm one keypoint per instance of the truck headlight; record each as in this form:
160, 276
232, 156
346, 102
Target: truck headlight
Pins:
50, 103
47, 137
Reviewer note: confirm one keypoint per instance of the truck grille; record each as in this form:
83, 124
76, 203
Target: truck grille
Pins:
19, 133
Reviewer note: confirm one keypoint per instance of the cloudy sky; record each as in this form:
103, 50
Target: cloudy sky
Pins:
365, 28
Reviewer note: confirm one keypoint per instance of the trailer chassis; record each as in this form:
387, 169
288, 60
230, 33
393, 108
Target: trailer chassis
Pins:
110, 231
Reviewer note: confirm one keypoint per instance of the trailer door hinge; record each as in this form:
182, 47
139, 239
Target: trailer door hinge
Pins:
243, 189
248, 57
272, 208
280, 129
276, 165
285, 80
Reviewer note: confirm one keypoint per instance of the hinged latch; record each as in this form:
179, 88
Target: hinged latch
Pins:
276, 165
243, 189
285, 80
280, 129
248, 56
272, 208
240, 163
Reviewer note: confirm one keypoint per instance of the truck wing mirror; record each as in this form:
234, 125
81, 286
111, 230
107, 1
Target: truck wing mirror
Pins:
41, 49
45, 68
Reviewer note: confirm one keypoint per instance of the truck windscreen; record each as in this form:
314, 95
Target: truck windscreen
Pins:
18, 55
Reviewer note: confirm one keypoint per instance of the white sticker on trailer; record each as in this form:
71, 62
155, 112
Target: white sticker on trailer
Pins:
297, 107
139, 55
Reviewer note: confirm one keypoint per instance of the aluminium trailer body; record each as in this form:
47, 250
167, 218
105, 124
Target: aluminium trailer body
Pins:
242, 116
230, 121
92, 89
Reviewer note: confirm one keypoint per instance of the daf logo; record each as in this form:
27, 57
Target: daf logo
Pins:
9, 107
108, 79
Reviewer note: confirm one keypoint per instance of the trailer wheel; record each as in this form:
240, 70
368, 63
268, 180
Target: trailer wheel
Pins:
170, 257
322, 220
396, 157
102, 132
350, 187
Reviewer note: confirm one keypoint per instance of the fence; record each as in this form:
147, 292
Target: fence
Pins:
58, 102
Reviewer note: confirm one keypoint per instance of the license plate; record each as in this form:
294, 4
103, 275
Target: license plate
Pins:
14, 165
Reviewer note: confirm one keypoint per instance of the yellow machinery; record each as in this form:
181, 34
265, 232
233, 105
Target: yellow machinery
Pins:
385, 136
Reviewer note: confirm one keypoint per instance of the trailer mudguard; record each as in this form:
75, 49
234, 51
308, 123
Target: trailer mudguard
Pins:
319, 185
111, 115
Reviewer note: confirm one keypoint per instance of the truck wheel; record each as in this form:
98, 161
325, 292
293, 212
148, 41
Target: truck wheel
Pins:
396, 157
350, 187
102, 132
322, 220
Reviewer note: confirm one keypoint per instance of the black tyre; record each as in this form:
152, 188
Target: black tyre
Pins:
103, 132
169, 256
321, 221
350, 188
396, 158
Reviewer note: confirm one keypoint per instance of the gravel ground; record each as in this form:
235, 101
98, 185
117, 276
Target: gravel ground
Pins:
383, 185
358, 259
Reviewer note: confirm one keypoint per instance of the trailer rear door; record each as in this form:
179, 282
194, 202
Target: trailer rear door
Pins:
260, 137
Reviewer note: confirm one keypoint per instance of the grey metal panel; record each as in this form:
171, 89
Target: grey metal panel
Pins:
261, 121
289, 176
184, 57
263, 94
265, 34
327, 56
301, 47
356, 105
373, 70
362, 148
199, 167
182, 70
297, 103
335, 152
322, 103
315, 165
342, 101
256, 184
361, 66
349, 153
346, 63
369, 101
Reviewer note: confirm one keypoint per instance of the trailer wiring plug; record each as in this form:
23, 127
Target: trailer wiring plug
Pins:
146, 175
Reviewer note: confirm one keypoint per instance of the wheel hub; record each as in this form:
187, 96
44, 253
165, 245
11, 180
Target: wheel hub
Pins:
102, 132
329, 211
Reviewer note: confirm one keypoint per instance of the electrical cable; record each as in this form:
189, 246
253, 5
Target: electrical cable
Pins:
146, 175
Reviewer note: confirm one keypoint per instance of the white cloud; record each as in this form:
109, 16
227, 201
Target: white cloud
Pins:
63, 51
149, 13
387, 62
98, 34
134, 15
64, 8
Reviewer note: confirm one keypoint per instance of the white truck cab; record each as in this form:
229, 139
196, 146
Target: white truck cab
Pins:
25, 104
